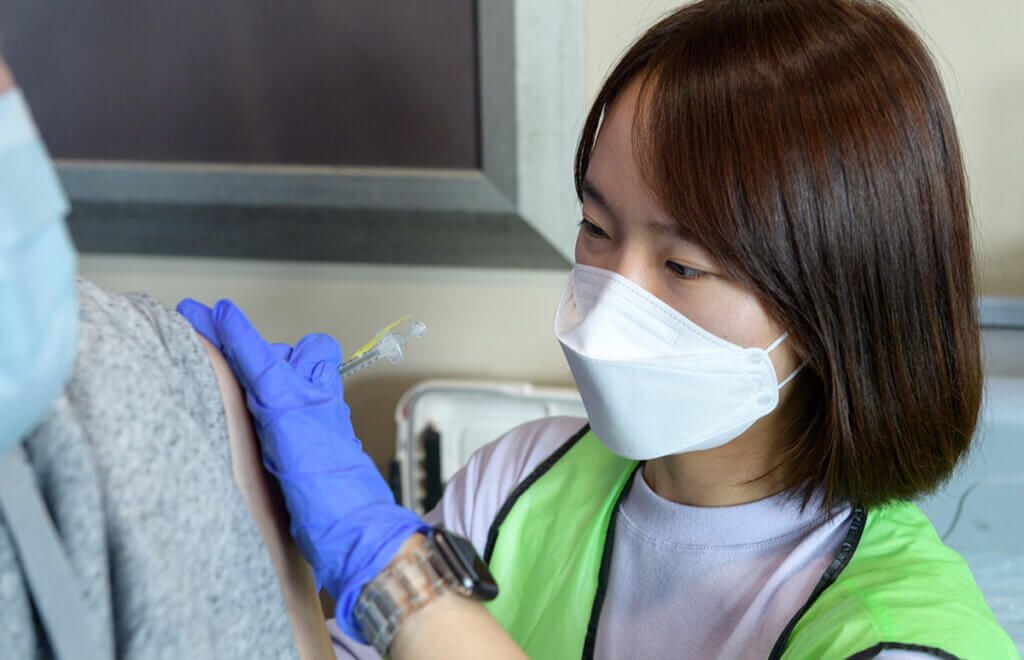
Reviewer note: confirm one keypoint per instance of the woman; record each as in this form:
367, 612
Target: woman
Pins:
771, 322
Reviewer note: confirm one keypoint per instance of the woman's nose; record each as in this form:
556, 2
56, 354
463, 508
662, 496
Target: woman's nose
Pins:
633, 267
626, 258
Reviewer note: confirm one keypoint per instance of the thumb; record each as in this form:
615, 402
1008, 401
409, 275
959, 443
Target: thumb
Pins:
246, 351
316, 357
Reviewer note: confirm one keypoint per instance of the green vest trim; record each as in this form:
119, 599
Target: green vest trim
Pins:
550, 549
900, 587
552, 569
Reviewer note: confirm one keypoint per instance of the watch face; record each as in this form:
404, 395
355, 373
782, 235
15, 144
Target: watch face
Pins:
485, 588
467, 564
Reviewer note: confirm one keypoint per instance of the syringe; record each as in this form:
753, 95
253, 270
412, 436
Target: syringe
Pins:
391, 345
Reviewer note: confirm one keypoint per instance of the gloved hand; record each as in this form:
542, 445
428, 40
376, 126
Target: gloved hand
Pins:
343, 515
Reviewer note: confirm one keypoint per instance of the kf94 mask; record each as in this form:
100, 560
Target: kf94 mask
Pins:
653, 382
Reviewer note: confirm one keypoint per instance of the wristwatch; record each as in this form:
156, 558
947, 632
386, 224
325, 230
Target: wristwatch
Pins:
444, 562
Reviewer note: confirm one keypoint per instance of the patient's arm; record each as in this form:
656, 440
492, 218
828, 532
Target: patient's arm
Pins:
266, 505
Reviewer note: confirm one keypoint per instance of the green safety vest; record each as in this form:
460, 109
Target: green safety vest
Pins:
891, 585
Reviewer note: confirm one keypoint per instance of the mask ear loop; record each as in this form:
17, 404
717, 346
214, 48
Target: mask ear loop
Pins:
775, 344
772, 347
792, 375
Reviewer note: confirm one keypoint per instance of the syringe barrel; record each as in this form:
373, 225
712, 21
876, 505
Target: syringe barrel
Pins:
357, 363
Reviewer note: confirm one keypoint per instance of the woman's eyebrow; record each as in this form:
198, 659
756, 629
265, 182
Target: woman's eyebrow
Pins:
671, 228
590, 190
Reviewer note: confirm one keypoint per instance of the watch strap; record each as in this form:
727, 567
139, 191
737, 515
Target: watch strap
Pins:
406, 585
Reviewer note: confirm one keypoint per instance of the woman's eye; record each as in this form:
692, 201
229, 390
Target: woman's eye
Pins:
592, 229
684, 272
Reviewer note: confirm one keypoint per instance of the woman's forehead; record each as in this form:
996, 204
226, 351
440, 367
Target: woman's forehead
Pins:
614, 178
616, 133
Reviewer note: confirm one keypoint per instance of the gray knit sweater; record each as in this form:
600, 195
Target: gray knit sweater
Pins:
133, 462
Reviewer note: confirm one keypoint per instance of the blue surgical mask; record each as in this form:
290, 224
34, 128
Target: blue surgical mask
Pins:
38, 308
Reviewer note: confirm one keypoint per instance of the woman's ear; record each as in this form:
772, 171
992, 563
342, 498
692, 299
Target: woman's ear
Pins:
6, 77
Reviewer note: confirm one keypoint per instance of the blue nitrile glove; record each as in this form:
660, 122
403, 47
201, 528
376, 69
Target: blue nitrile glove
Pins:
343, 515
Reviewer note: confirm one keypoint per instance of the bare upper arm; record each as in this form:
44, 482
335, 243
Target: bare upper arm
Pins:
245, 453
263, 497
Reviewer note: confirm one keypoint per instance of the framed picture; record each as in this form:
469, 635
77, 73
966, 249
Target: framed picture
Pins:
391, 131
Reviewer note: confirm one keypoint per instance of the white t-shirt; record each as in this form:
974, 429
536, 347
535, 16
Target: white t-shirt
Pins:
685, 581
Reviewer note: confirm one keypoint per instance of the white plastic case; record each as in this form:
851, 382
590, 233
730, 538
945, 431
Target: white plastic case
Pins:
440, 423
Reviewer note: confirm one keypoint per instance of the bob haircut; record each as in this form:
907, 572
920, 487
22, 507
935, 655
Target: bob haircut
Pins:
809, 146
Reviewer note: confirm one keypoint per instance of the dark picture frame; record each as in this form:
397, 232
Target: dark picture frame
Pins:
517, 209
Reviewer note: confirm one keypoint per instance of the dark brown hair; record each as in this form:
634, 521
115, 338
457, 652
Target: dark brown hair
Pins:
809, 146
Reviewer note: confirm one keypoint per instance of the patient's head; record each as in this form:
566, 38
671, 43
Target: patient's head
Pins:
38, 310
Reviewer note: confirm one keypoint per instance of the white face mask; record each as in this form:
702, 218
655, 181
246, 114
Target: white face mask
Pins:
653, 382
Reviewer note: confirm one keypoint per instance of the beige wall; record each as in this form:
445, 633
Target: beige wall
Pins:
980, 49
496, 324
